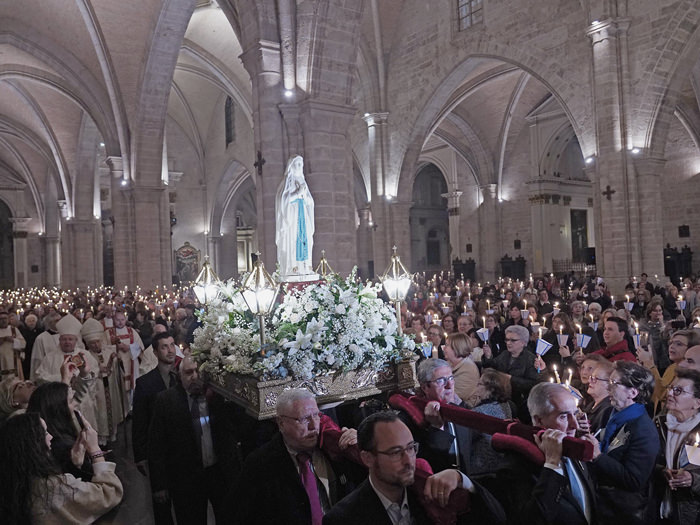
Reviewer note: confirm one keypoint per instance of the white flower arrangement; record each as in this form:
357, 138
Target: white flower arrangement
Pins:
333, 325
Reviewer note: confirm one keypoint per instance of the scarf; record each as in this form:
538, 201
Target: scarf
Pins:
677, 433
617, 420
675, 437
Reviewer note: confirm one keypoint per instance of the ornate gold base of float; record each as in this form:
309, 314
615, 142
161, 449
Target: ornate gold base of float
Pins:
259, 398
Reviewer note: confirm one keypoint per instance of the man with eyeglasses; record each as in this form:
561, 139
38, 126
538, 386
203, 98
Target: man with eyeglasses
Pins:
388, 450
443, 445
561, 492
289, 480
678, 346
518, 363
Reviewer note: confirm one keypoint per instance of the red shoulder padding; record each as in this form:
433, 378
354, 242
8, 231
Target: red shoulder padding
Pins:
466, 418
505, 443
328, 439
573, 448
415, 412
457, 505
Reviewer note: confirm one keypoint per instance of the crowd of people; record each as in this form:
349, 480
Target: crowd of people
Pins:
621, 375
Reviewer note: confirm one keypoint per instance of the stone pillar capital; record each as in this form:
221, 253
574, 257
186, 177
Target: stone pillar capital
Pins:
607, 29
20, 224
374, 119
263, 57
489, 190
648, 165
116, 166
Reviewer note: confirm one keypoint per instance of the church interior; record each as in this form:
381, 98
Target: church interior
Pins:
138, 137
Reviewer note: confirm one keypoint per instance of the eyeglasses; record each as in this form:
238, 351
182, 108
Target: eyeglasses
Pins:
593, 380
395, 453
306, 420
676, 342
612, 382
512, 340
677, 391
442, 381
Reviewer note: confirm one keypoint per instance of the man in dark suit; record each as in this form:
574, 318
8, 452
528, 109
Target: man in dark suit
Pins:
443, 445
561, 491
147, 387
193, 452
388, 450
290, 480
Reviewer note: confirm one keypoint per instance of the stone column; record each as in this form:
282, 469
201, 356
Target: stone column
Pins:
454, 216
487, 263
400, 218
19, 234
328, 168
382, 234
82, 253
615, 193
51, 255
650, 228
263, 63
141, 239
364, 244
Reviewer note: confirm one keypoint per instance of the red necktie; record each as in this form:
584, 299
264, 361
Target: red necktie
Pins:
308, 479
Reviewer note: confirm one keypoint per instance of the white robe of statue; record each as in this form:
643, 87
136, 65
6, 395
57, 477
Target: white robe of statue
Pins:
294, 236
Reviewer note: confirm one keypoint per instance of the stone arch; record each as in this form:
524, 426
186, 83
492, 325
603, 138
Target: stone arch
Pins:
158, 71
234, 181
660, 93
7, 249
441, 95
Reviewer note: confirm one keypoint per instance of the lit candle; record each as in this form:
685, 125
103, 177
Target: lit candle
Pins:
422, 339
540, 330
697, 439
580, 329
556, 373
680, 297
636, 327
488, 304
525, 301
571, 376
592, 318
445, 335
484, 318
561, 329
627, 297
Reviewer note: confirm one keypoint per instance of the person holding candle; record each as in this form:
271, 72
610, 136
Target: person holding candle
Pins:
616, 335
598, 409
623, 461
518, 363
678, 480
677, 347
466, 373
653, 324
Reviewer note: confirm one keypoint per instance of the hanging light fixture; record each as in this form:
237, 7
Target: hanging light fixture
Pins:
259, 291
396, 281
206, 286
324, 269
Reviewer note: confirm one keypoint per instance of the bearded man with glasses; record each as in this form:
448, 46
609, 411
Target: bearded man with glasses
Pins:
388, 450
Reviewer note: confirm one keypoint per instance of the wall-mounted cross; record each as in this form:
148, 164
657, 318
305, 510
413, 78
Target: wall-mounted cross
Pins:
259, 163
608, 192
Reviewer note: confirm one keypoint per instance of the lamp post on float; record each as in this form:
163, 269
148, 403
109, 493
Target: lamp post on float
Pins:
206, 286
259, 291
396, 282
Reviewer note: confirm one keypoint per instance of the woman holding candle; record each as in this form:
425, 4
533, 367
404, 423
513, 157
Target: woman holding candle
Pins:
466, 373
624, 459
598, 409
678, 480
561, 355
653, 324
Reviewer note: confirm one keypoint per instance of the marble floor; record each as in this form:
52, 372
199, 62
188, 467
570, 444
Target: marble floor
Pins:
135, 508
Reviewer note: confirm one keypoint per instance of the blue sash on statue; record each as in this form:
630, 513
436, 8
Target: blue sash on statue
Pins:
302, 245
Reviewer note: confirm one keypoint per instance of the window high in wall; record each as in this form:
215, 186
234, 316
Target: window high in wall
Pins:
470, 12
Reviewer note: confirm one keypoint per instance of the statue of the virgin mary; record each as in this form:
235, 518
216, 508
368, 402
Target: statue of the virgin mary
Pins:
294, 209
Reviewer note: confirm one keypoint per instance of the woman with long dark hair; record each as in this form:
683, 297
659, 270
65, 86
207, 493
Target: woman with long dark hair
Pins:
54, 403
33, 488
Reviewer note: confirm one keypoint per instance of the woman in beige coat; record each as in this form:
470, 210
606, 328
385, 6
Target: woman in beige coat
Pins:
35, 491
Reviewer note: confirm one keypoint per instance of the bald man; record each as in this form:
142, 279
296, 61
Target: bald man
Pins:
691, 359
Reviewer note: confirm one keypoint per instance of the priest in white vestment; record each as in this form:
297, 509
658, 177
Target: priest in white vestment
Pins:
46, 342
109, 391
129, 349
11, 348
83, 383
